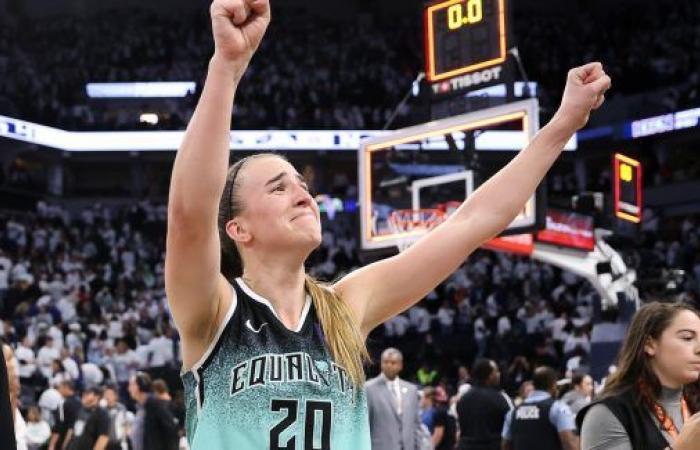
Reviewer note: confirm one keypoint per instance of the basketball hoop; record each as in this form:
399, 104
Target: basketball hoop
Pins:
410, 224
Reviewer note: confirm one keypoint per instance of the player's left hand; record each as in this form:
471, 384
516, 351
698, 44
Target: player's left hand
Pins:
585, 91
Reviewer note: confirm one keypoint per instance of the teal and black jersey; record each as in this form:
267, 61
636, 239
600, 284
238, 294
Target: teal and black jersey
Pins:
262, 386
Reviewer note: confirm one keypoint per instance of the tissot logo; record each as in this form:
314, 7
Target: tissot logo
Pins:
466, 81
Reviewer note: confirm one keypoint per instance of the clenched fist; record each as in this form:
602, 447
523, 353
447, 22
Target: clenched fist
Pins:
585, 91
238, 27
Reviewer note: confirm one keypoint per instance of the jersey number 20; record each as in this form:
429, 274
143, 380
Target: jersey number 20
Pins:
291, 407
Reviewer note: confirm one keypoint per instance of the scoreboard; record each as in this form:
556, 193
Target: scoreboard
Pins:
463, 36
627, 188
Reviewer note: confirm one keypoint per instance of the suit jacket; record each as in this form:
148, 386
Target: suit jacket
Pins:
388, 429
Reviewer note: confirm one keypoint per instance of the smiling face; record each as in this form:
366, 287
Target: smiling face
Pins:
278, 211
675, 355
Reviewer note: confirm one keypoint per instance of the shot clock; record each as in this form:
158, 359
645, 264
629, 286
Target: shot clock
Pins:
627, 188
463, 36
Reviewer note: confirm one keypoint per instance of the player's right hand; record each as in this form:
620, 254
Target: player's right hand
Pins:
238, 27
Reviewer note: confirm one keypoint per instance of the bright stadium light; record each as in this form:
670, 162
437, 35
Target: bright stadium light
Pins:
147, 89
149, 118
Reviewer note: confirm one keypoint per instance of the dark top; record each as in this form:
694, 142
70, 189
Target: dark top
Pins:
481, 413
7, 424
160, 426
532, 429
90, 424
634, 416
65, 417
443, 419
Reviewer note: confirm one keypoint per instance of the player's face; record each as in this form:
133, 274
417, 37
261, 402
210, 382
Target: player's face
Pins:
278, 210
675, 356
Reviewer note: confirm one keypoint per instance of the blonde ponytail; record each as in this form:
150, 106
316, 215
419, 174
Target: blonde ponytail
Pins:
341, 330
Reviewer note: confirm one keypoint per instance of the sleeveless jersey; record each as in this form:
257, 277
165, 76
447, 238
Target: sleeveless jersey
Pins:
261, 386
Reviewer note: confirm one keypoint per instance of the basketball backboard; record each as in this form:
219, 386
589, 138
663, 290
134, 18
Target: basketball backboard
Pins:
438, 165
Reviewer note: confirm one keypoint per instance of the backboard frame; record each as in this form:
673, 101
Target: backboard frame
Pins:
526, 110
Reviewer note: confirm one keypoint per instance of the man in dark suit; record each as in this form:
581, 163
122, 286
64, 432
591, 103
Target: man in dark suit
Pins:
155, 427
394, 419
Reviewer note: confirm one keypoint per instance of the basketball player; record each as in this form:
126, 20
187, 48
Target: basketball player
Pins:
273, 359
652, 401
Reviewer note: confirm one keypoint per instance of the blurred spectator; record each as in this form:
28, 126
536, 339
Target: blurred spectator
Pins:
524, 392
155, 427
444, 433
581, 393
66, 415
482, 409
38, 430
120, 420
541, 421
426, 374
91, 428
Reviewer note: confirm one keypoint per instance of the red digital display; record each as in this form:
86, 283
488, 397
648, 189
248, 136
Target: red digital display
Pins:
520, 244
568, 229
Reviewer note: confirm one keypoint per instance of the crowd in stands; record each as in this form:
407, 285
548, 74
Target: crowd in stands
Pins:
348, 74
307, 74
82, 303
655, 47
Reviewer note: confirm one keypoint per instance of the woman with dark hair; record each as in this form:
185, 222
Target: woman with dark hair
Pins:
272, 358
651, 401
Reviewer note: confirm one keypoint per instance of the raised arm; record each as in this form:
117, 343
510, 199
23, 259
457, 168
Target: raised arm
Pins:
198, 294
383, 289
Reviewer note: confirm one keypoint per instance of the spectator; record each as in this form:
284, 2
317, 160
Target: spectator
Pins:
91, 428
155, 427
427, 408
426, 374
124, 362
66, 416
540, 421
26, 359
581, 393
120, 420
482, 410
393, 405
444, 433
49, 402
38, 430
48, 353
